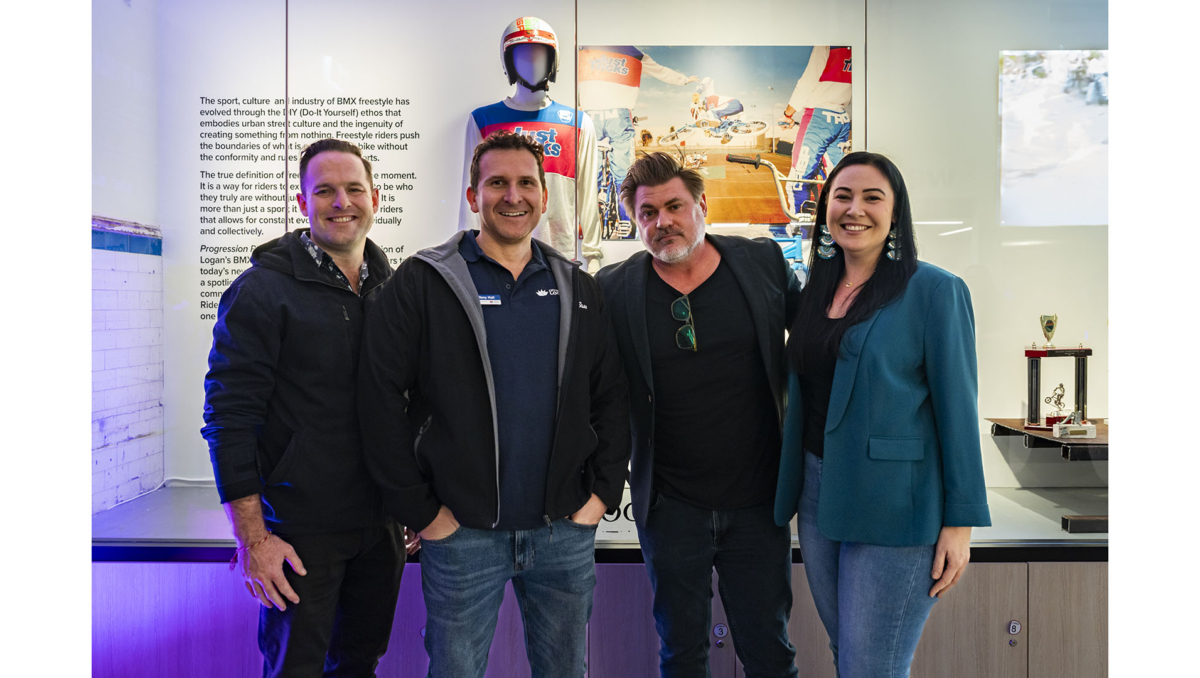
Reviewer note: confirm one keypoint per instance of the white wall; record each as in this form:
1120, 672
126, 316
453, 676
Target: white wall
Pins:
127, 371
127, 376
218, 48
125, 87
933, 103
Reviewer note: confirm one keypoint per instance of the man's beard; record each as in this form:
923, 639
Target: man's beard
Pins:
673, 254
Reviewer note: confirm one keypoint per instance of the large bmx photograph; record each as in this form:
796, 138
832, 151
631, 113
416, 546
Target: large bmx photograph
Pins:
763, 124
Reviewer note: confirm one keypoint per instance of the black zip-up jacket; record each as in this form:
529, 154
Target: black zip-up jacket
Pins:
428, 404
280, 393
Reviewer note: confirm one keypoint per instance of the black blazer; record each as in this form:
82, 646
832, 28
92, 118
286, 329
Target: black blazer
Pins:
772, 290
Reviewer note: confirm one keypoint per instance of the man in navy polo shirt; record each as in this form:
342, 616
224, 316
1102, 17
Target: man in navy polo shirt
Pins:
495, 420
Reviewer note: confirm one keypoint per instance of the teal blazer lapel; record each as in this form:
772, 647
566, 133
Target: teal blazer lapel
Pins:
635, 299
847, 369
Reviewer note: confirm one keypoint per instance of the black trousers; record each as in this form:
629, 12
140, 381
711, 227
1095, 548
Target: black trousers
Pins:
343, 621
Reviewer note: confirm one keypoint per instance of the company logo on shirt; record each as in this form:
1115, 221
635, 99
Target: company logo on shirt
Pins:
610, 65
552, 293
545, 137
565, 117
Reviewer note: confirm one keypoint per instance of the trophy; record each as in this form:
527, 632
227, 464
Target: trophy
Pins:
1055, 400
1049, 322
1078, 414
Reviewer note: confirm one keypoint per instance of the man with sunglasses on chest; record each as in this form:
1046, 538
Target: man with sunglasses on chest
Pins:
700, 326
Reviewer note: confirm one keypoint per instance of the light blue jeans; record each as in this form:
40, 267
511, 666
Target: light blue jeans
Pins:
873, 600
553, 571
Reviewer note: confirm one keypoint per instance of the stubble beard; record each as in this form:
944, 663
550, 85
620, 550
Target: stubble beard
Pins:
674, 254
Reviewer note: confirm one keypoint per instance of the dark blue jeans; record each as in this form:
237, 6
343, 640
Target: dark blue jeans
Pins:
873, 600
553, 571
681, 544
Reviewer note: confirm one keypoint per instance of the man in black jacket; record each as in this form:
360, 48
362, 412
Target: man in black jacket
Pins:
495, 420
282, 428
700, 325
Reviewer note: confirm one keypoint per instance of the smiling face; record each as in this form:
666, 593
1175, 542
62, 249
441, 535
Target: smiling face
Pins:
510, 198
339, 202
861, 210
670, 222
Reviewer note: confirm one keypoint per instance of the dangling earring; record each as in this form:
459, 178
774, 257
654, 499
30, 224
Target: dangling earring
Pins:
893, 252
825, 242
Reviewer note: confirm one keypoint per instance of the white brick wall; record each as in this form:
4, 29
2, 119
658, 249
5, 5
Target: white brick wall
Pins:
127, 376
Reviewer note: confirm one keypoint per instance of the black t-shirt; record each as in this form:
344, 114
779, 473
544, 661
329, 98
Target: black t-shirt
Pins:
716, 432
816, 381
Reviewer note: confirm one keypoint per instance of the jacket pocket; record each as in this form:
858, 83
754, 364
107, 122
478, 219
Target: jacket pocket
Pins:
286, 462
896, 449
417, 442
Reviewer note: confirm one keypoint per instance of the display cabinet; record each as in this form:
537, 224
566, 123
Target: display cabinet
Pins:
165, 603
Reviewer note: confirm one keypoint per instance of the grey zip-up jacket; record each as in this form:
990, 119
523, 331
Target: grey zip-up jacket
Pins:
428, 404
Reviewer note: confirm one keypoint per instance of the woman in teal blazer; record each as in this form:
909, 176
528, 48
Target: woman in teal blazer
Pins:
881, 453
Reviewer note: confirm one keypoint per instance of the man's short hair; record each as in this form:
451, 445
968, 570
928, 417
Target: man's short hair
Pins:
318, 147
503, 139
656, 169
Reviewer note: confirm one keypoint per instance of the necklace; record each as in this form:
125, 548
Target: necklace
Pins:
868, 277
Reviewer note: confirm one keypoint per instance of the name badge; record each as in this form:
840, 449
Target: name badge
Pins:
489, 300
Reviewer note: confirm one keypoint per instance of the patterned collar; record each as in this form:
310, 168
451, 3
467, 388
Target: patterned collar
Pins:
325, 262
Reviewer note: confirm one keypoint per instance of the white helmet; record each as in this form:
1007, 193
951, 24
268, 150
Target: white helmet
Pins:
524, 31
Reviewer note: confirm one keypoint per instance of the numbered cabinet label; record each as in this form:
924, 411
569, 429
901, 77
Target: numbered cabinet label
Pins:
1014, 627
720, 630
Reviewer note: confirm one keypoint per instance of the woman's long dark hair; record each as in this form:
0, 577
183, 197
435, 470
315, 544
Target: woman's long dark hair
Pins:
824, 275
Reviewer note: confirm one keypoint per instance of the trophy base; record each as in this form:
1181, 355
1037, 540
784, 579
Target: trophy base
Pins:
1047, 425
1074, 431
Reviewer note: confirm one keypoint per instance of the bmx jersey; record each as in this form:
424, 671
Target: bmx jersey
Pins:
826, 81
610, 76
569, 140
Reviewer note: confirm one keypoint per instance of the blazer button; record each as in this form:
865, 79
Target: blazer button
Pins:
650, 398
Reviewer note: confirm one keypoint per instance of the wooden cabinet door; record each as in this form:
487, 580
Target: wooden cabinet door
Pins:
1068, 620
813, 656
172, 619
507, 658
722, 658
622, 640
968, 631
406, 649
406, 654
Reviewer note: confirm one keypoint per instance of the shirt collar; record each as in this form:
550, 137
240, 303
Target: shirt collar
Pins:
325, 261
470, 250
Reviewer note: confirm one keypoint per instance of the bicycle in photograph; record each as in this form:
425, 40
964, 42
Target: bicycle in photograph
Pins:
611, 226
800, 222
723, 131
716, 118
